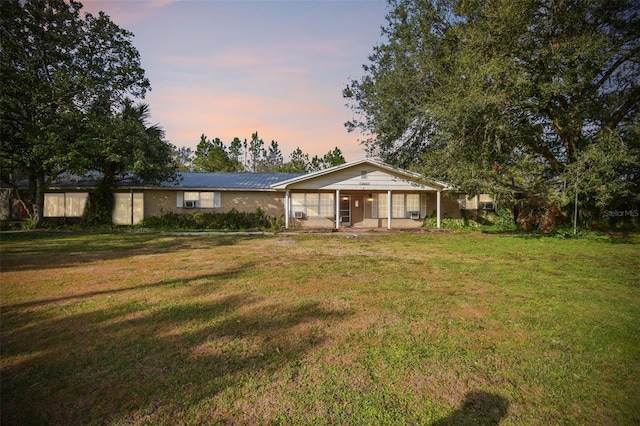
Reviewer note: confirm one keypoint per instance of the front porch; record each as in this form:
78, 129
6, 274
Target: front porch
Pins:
360, 209
362, 194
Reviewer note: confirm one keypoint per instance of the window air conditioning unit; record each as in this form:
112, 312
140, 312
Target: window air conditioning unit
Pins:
487, 206
191, 204
414, 215
298, 215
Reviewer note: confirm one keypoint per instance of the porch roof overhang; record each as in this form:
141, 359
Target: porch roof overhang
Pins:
378, 176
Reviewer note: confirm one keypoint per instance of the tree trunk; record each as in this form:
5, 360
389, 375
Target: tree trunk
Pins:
38, 204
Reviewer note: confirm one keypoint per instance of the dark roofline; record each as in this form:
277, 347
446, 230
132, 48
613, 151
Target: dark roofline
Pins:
212, 181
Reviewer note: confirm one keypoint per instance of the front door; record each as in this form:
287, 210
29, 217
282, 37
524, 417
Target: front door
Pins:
345, 210
357, 209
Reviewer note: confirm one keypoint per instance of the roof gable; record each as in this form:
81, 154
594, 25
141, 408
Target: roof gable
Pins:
367, 175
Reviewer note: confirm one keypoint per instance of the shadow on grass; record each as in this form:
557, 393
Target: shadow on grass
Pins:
155, 364
226, 274
479, 409
45, 250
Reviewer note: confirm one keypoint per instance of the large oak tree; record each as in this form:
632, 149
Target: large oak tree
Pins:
492, 95
66, 79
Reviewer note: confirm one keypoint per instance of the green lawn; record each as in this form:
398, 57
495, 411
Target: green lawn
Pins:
378, 328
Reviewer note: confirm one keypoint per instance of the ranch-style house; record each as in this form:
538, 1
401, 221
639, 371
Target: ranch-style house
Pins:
364, 193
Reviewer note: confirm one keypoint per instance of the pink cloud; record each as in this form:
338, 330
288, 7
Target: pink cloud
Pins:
217, 68
125, 13
186, 115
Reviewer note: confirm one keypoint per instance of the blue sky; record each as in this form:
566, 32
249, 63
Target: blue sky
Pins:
230, 68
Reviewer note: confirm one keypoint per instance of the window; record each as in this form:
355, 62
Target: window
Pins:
195, 199
380, 206
208, 200
191, 199
298, 203
327, 205
53, 205
65, 204
402, 206
412, 203
314, 204
487, 205
462, 201
75, 203
398, 206
128, 208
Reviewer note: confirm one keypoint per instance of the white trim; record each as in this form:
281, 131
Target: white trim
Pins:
337, 201
389, 210
438, 208
287, 208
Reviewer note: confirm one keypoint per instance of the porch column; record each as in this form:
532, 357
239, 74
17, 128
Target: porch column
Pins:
337, 209
389, 210
287, 208
438, 209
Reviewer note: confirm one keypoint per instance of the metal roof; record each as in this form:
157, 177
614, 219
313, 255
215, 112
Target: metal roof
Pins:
223, 180
230, 180
184, 180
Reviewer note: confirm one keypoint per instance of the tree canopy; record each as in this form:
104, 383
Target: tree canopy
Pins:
212, 155
65, 105
330, 159
535, 96
123, 141
182, 158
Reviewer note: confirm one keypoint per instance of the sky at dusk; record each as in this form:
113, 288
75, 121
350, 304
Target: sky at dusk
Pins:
230, 68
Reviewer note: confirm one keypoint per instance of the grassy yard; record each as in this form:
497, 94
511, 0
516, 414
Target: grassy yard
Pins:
434, 328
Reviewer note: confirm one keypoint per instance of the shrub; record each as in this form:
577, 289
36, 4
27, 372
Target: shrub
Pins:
537, 214
231, 221
499, 221
16, 225
452, 224
99, 207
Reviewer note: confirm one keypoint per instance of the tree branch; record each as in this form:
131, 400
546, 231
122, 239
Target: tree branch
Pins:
567, 137
624, 58
617, 116
541, 148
